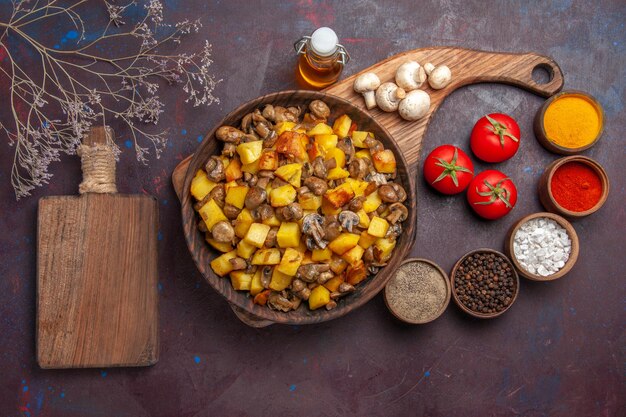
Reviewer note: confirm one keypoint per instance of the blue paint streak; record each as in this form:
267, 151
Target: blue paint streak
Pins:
199, 138
62, 395
39, 399
129, 144
72, 34
427, 374
160, 235
25, 388
57, 46
183, 132
292, 387
160, 287
196, 359
103, 374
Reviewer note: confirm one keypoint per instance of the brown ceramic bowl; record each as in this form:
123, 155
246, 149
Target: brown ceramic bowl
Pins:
573, 256
398, 314
470, 311
203, 254
540, 131
545, 191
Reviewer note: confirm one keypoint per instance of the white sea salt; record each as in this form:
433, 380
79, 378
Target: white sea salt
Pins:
542, 246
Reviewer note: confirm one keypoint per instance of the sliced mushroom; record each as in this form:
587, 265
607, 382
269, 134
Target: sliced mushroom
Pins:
356, 204
238, 263
317, 185
332, 228
397, 213
229, 150
270, 140
368, 255
229, 134
394, 231
223, 232
319, 168
346, 145
218, 195
262, 182
344, 288
324, 277
312, 225
297, 285
310, 272
230, 211
270, 239
266, 276
330, 305
246, 122
255, 197
348, 220
304, 293
265, 212
249, 178
215, 169
292, 212
319, 109
358, 168
377, 178
277, 302
373, 145
330, 163
269, 112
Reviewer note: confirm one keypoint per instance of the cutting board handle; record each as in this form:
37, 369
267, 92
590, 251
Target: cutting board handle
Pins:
98, 161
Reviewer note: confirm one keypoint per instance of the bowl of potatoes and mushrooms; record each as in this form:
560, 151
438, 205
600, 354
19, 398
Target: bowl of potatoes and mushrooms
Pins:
298, 207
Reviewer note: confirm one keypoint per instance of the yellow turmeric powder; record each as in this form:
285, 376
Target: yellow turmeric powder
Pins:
572, 121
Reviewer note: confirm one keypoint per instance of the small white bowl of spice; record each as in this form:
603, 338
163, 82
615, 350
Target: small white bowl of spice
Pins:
419, 292
542, 246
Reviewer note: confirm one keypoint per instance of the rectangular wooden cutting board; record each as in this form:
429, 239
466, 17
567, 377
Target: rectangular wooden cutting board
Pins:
97, 281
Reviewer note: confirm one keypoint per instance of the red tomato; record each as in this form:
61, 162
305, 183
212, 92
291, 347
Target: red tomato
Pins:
448, 169
495, 137
492, 194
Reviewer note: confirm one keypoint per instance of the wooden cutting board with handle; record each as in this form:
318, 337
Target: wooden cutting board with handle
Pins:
97, 270
468, 66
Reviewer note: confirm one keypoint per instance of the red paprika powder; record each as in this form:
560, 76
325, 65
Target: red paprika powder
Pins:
576, 186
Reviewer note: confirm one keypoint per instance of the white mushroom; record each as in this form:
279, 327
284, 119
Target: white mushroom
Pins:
388, 97
367, 84
439, 76
410, 76
415, 105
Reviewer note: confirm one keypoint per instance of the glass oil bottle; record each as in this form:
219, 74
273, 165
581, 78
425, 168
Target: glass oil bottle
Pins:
321, 59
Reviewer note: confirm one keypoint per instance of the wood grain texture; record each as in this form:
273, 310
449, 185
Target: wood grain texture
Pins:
97, 278
97, 281
467, 67
259, 316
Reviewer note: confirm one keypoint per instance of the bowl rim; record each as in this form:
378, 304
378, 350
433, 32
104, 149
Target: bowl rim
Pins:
446, 281
468, 310
563, 222
321, 315
598, 169
540, 131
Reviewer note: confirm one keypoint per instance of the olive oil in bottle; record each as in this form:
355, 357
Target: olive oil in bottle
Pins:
321, 58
